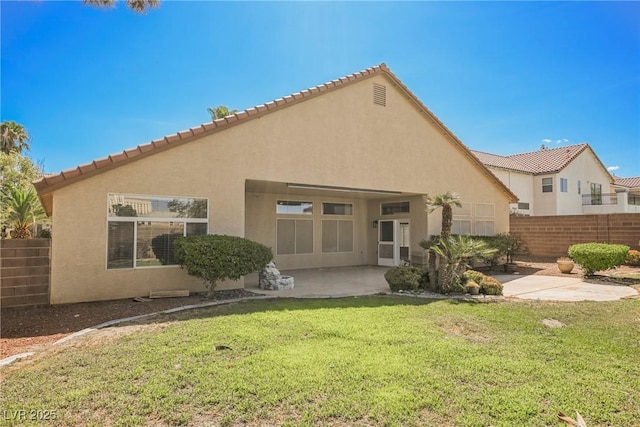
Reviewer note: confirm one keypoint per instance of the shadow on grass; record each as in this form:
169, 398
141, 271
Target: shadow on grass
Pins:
289, 304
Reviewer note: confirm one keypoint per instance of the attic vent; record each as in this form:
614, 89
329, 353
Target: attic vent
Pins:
379, 94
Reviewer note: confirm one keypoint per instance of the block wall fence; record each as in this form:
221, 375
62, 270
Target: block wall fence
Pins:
551, 236
24, 272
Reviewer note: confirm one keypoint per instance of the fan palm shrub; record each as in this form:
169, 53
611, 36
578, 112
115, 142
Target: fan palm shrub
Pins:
457, 254
24, 210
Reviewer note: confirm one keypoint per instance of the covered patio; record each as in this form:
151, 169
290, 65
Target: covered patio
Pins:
329, 282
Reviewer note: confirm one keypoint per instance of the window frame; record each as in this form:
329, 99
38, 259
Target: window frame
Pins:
322, 211
285, 203
549, 186
564, 185
135, 219
338, 235
295, 237
402, 202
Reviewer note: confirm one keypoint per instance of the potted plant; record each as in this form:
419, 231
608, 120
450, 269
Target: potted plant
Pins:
565, 264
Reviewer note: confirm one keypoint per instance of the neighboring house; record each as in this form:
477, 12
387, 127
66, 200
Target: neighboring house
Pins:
329, 176
567, 180
631, 186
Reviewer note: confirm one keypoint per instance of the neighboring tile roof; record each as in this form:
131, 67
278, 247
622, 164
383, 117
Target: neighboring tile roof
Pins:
52, 182
633, 182
502, 162
544, 161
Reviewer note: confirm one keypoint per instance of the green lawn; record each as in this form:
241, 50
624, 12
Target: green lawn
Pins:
356, 361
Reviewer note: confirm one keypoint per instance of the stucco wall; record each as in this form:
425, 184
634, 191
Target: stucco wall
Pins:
586, 169
338, 139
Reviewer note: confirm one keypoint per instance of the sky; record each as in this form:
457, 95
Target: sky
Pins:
504, 77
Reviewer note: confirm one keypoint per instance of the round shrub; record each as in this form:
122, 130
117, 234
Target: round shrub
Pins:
488, 285
405, 278
214, 258
491, 286
594, 257
633, 258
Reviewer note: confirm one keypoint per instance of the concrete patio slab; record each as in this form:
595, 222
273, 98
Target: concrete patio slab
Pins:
369, 280
552, 288
331, 282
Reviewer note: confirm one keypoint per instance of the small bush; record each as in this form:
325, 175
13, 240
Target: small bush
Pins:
633, 258
214, 258
405, 278
491, 286
488, 285
594, 257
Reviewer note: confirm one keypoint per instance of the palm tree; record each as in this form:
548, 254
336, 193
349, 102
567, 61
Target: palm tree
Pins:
140, 6
219, 112
24, 210
445, 201
13, 138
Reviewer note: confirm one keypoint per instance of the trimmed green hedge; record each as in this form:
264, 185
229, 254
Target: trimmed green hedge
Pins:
594, 257
215, 258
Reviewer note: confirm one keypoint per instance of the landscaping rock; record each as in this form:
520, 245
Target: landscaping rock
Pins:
270, 279
552, 323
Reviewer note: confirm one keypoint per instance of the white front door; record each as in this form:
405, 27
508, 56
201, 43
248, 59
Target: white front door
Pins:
393, 242
388, 243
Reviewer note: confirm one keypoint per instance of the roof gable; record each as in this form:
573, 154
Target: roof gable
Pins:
50, 183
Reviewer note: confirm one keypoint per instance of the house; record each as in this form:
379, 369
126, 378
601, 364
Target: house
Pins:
568, 180
329, 176
631, 186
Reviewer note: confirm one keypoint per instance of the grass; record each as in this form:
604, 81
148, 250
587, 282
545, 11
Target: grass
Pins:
356, 361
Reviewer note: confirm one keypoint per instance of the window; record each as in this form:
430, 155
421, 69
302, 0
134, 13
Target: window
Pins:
337, 209
337, 236
579, 187
464, 210
294, 207
141, 229
485, 209
547, 185
522, 205
485, 228
294, 236
564, 185
394, 208
596, 194
461, 226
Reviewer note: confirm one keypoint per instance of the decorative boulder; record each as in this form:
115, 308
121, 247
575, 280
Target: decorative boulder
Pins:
270, 279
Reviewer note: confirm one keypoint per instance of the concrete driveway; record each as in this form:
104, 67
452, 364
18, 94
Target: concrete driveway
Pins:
552, 288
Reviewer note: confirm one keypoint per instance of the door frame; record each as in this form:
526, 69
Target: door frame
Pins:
394, 244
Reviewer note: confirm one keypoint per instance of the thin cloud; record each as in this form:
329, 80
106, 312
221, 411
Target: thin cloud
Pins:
546, 140
613, 168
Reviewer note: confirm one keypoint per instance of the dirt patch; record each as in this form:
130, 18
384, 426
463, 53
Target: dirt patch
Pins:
23, 330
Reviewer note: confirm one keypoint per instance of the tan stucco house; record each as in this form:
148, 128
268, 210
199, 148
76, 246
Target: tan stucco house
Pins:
329, 176
568, 180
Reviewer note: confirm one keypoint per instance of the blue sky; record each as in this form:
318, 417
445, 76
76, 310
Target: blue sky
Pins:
505, 77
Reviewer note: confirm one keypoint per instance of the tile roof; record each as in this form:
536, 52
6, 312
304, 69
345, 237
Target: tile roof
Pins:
633, 182
501, 162
50, 183
544, 161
